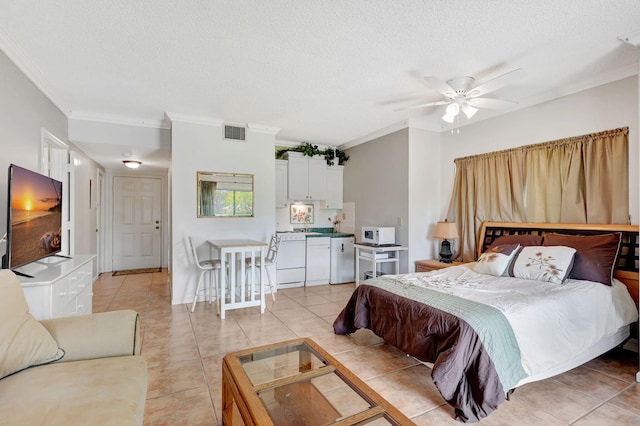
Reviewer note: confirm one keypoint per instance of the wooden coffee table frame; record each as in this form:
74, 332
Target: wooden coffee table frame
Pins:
239, 395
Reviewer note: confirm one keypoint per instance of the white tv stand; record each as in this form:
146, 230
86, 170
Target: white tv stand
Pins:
60, 287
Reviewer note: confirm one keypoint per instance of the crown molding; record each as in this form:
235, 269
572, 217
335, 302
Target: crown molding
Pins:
125, 121
193, 119
374, 135
263, 129
28, 68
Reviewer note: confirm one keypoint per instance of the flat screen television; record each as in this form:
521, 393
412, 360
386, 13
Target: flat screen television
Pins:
34, 217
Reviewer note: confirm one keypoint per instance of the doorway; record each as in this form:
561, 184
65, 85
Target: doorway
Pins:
137, 237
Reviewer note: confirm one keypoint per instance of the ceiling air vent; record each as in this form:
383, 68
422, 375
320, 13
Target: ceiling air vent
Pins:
235, 133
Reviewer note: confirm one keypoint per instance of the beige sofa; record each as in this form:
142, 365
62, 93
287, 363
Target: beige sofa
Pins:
68, 371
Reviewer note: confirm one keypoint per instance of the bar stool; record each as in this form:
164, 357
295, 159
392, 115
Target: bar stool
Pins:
270, 259
210, 266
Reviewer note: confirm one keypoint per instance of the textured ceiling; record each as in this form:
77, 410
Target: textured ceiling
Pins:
328, 72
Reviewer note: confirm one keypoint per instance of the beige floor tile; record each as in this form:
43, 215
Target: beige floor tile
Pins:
629, 399
294, 315
592, 382
213, 369
189, 407
374, 361
558, 400
609, 414
325, 309
184, 353
174, 377
617, 363
411, 390
311, 299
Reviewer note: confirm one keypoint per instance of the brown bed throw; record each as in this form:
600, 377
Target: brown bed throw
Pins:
462, 371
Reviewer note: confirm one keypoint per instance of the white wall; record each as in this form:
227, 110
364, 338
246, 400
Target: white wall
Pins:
200, 147
24, 112
424, 194
602, 108
375, 179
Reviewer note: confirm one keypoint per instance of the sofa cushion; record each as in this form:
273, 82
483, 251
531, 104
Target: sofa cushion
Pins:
24, 342
105, 391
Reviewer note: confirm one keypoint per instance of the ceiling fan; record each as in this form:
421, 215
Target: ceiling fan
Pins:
463, 96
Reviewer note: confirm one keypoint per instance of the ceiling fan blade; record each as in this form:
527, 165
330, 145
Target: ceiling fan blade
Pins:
496, 83
424, 105
436, 84
489, 103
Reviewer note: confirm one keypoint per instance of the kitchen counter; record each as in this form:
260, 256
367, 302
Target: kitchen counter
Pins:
328, 234
321, 232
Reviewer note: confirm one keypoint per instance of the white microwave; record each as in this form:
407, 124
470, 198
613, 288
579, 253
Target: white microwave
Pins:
378, 235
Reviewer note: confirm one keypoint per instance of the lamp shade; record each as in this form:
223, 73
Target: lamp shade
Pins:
446, 231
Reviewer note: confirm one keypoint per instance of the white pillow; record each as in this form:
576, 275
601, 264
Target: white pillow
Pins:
24, 342
496, 259
544, 263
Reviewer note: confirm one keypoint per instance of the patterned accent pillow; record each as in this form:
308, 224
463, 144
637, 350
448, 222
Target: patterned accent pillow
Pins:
496, 259
552, 263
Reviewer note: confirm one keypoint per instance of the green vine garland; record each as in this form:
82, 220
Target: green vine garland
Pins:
310, 150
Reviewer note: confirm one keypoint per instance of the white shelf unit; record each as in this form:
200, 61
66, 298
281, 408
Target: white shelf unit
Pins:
368, 254
62, 288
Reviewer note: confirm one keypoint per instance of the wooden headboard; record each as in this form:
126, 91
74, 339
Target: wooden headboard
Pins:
627, 267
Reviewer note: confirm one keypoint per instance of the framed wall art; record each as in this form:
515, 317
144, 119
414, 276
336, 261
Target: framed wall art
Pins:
301, 213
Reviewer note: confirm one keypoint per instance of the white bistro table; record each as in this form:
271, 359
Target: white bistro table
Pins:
233, 268
368, 252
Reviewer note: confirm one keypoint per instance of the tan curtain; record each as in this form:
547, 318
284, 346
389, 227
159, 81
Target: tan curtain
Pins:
582, 179
487, 187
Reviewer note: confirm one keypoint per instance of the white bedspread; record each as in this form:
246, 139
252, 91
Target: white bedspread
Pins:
551, 322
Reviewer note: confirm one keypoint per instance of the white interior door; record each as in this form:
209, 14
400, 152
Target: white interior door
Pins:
136, 223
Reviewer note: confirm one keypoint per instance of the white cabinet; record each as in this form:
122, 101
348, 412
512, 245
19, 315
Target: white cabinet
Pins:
281, 183
306, 177
334, 191
64, 288
318, 260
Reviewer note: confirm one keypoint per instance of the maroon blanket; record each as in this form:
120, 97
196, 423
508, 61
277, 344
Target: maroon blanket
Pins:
462, 369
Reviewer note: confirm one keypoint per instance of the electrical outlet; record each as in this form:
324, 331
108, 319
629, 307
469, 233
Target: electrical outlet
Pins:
399, 221
344, 216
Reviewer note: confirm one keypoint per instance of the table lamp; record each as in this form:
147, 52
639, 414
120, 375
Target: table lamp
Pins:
446, 231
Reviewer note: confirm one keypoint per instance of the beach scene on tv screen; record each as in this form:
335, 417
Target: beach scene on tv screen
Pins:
36, 216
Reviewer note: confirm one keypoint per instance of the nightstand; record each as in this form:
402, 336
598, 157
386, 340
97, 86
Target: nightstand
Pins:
433, 265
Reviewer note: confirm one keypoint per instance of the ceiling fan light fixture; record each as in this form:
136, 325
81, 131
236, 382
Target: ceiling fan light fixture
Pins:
468, 110
452, 112
132, 164
448, 118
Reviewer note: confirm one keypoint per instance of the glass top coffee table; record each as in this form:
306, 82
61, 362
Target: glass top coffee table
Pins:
298, 383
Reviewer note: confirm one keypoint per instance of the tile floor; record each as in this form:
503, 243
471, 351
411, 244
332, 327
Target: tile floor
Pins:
184, 353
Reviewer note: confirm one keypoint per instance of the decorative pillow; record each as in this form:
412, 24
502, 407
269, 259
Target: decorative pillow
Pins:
523, 239
542, 263
496, 259
596, 255
24, 342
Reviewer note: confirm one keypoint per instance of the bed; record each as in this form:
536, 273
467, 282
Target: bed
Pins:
488, 328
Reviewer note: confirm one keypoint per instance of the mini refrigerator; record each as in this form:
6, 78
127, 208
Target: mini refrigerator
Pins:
342, 260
